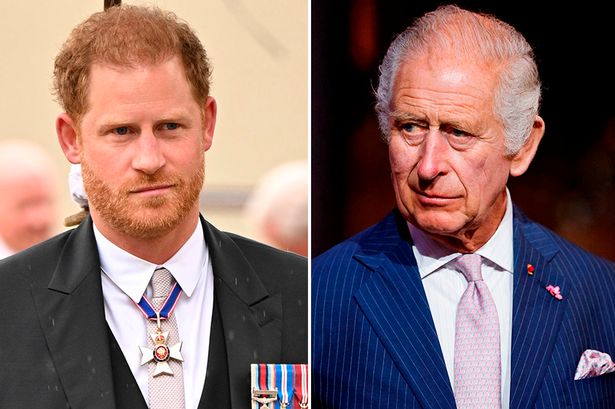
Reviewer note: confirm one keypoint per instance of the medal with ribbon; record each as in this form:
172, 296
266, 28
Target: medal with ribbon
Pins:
279, 386
301, 386
284, 384
264, 391
162, 352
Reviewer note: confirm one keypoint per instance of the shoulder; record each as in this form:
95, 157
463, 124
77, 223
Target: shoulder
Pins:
278, 270
342, 263
578, 264
36, 263
379, 237
31, 268
582, 266
262, 256
257, 249
342, 253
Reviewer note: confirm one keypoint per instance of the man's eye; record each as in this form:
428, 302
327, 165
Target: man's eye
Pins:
455, 132
171, 126
122, 130
412, 133
459, 139
459, 134
409, 128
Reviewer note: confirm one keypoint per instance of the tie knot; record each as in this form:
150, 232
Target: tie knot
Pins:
162, 281
469, 266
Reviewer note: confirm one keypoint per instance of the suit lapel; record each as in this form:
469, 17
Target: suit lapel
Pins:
251, 318
71, 314
216, 393
394, 303
537, 315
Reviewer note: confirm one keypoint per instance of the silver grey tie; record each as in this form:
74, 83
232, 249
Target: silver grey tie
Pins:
165, 391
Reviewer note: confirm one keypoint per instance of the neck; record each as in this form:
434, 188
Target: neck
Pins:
464, 242
156, 250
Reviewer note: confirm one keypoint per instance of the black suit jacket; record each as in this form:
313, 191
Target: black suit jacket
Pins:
55, 342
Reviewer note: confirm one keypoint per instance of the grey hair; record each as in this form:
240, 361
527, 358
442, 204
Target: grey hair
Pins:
483, 36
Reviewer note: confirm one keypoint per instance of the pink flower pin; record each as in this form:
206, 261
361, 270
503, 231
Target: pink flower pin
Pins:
554, 291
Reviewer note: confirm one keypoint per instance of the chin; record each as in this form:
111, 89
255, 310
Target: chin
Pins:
438, 222
148, 228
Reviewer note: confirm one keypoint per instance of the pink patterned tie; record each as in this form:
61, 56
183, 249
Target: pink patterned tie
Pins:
477, 341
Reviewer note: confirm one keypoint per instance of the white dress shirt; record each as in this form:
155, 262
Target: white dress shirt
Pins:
126, 278
444, 287
4, 250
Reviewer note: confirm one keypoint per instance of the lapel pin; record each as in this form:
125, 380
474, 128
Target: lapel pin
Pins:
554, 291
530, 270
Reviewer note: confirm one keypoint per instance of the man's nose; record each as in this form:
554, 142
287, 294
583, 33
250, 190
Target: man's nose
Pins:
148, 156
433, 159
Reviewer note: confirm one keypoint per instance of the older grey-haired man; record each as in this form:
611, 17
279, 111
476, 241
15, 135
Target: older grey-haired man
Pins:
457, 299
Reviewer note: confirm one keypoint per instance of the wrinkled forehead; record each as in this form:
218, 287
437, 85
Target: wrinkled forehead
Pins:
453, 55
444, 71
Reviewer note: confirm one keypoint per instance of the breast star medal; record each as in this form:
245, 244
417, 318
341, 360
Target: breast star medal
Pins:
161, 353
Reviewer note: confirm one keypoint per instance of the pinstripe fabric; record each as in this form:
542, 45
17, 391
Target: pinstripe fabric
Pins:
374, 344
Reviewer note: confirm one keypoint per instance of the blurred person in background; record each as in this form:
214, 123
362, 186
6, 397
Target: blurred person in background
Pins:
28, 198
277, 209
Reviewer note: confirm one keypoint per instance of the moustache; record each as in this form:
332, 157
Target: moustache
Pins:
148, 182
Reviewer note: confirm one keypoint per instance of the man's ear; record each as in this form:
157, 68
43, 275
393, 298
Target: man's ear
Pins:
209, 122
522, 159
66, 129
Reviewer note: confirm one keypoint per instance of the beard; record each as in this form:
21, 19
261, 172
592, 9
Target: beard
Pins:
146, 217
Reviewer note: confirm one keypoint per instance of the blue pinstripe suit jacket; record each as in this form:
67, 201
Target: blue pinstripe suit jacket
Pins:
375, 345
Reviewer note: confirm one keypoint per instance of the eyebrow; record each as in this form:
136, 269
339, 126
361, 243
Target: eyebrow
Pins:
401, 118
175, 117
404, 116
111, 124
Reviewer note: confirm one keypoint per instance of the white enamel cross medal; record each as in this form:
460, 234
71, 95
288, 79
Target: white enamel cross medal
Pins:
161, 353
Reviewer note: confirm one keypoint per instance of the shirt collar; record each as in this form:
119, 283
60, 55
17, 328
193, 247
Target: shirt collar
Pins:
133, 274
5, 251
431, 255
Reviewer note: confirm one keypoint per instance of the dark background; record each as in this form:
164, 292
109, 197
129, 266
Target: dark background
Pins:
570, 186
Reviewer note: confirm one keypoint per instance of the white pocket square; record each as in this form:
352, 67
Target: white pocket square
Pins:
594, 363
